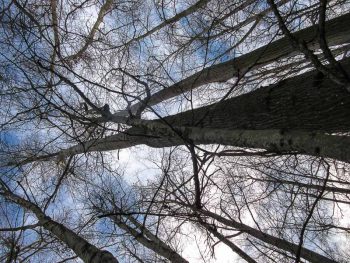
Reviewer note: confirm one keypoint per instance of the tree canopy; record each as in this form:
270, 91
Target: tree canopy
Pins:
174, 131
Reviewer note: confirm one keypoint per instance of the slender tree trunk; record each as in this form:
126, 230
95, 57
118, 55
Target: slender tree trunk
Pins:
333, 189
83, 249
147, 239
269, 239
337, 32
227, 242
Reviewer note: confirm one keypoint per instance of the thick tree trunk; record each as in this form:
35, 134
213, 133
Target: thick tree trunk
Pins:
83, 249
305, 102
331, 146
277, 141
337, 32
293, 115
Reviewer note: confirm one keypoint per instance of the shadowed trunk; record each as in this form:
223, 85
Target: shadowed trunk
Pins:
306, 102
293, 115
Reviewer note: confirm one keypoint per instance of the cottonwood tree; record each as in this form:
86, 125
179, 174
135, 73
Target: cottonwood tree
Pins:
236, 112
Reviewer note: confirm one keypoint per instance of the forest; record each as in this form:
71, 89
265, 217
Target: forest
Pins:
175, 131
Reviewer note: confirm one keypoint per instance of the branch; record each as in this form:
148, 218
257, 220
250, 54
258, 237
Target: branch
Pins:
301, 238
90, 38
186, 12
20, 228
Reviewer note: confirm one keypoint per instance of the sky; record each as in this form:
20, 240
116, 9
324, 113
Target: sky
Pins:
135, 162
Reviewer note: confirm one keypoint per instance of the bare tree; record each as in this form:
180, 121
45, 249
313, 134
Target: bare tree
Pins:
236, 112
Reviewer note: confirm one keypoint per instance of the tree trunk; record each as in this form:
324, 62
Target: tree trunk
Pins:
332, 189
292, 116
306, 102
227, 242
331, 146
147, 239
269, 239
83, 249
337, 32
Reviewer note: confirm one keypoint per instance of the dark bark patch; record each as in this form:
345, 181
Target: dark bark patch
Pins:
318, 79
281, 142
268, 99
313, 134
94, 255
268, 103
317, 150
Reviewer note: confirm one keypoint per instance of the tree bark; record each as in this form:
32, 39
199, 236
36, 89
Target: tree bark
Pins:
309, 102
83, 249
227, 242
310, 143
147, 239
337, 32
292, 116
269, 239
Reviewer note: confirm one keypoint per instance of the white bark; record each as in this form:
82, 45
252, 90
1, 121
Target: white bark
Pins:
83, 249
309, 143
147, 239
337, 32
269, 239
